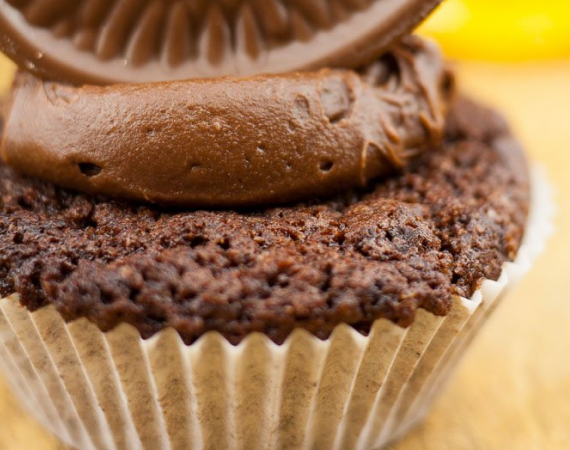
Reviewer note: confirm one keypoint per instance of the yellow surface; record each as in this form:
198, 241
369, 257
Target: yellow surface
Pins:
502, 29
512, 391
7, 68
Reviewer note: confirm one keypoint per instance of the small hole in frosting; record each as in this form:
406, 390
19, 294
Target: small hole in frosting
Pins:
326, 166
261, 150
150, 132
89, 169
194, 167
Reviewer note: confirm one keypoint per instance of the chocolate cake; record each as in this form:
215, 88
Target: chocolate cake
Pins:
258, 224
449, 219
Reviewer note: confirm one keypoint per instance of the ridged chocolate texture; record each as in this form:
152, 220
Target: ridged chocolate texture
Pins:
110, 41
231, 141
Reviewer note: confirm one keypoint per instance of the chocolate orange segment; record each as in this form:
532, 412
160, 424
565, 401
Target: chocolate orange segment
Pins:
111, 41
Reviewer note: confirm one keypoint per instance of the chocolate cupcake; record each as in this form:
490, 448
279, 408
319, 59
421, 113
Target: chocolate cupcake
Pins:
278, 261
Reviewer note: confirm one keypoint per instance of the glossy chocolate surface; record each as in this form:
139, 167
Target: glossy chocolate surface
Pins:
127, 41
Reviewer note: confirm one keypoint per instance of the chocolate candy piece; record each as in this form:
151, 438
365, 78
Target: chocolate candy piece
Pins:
128, 41
231, 141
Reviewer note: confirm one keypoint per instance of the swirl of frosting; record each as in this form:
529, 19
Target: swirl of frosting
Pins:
231, 142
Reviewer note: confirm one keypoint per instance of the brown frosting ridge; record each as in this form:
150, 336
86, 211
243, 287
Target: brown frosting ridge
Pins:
231, 142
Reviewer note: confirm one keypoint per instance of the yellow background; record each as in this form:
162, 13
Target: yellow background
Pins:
512, 391
505, 30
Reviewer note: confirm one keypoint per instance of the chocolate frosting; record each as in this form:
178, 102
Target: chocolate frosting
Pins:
120, 41
231, 142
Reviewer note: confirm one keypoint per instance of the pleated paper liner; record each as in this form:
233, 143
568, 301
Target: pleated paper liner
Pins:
114, 390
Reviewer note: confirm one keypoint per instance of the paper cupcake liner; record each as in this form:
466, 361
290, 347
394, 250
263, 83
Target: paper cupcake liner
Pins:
113, 390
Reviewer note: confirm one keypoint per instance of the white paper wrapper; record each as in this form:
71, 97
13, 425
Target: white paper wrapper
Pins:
113, 390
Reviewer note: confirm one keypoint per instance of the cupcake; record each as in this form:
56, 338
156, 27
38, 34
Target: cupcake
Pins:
274, 259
